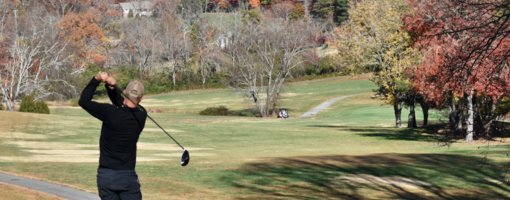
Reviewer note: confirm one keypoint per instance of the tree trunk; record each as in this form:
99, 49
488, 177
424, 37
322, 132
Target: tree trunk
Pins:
411, 118
455, 117
9, 104
8, 97
459, 119
307, 8
174, 76
470, 118
487, 125
425, 109
451, 114
397, 108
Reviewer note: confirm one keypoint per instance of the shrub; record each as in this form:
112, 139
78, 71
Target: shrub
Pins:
326, 66
246, 113
224, 111
28, 104
218, 111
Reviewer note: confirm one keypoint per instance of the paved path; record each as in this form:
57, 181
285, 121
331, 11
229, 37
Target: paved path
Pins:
58, 190
323, 106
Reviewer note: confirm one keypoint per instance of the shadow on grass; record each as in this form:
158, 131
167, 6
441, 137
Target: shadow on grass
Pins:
418, 134
501, 129
379, 176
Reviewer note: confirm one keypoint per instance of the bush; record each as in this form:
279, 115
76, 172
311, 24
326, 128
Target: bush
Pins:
218, 111
223, 111
246, 113
28, 104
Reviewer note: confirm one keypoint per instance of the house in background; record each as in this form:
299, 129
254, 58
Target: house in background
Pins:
225, 39
137, 8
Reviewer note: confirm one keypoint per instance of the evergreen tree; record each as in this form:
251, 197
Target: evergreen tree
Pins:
341, 11
335, 10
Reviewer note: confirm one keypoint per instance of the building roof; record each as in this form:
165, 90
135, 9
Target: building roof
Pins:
136, 5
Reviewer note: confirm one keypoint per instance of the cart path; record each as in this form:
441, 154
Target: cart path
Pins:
50, 188
323, 106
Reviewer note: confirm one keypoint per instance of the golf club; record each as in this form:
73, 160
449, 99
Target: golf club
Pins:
185, 155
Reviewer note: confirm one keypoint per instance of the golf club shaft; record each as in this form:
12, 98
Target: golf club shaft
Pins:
138, 106
164, 131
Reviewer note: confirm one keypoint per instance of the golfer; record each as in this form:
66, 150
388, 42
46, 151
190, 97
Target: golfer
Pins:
122, 124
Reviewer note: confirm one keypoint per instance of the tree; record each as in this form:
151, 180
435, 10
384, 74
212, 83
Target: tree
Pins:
254, 3
35, 57
263, 55
373, 40
83, 33
282, 10
334, 10
206, 51
139, 41
467, 49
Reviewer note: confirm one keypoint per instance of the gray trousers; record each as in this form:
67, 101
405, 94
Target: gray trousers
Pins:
118, 184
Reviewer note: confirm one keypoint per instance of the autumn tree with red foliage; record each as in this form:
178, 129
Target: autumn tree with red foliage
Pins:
466, 44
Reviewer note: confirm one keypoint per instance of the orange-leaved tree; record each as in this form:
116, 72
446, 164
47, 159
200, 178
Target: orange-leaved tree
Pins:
83, 33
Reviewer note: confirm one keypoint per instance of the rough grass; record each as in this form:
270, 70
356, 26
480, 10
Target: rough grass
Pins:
20, 193
349, 150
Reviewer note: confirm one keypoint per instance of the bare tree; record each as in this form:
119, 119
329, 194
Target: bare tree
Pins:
283, 10
262, 56
173, 38
138, 42
206, 51
34, 51
176, 34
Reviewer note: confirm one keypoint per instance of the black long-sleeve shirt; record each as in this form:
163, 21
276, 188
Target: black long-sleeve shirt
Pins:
120, 130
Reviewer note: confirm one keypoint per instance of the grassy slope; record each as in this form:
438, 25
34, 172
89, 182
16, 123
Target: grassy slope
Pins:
347, 151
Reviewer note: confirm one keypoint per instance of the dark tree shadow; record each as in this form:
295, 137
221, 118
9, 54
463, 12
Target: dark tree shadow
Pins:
417, 134
501, 129
379, 176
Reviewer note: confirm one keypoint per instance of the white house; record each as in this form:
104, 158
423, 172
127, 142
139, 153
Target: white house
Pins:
137, 8
225, 39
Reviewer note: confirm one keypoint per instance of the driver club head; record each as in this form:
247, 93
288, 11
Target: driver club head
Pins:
185, 158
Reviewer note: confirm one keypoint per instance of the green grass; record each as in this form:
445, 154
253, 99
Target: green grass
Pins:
348, 151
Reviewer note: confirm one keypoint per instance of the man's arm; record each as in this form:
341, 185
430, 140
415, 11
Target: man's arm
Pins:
95, 109
113, 93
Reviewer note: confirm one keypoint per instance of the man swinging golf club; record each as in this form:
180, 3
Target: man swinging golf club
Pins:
122, 124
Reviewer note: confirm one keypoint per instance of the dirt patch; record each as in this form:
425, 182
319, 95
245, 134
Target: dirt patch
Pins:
290, 94
51, 158
49, 145
21, 135
42, 151
65, 152
39, 147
